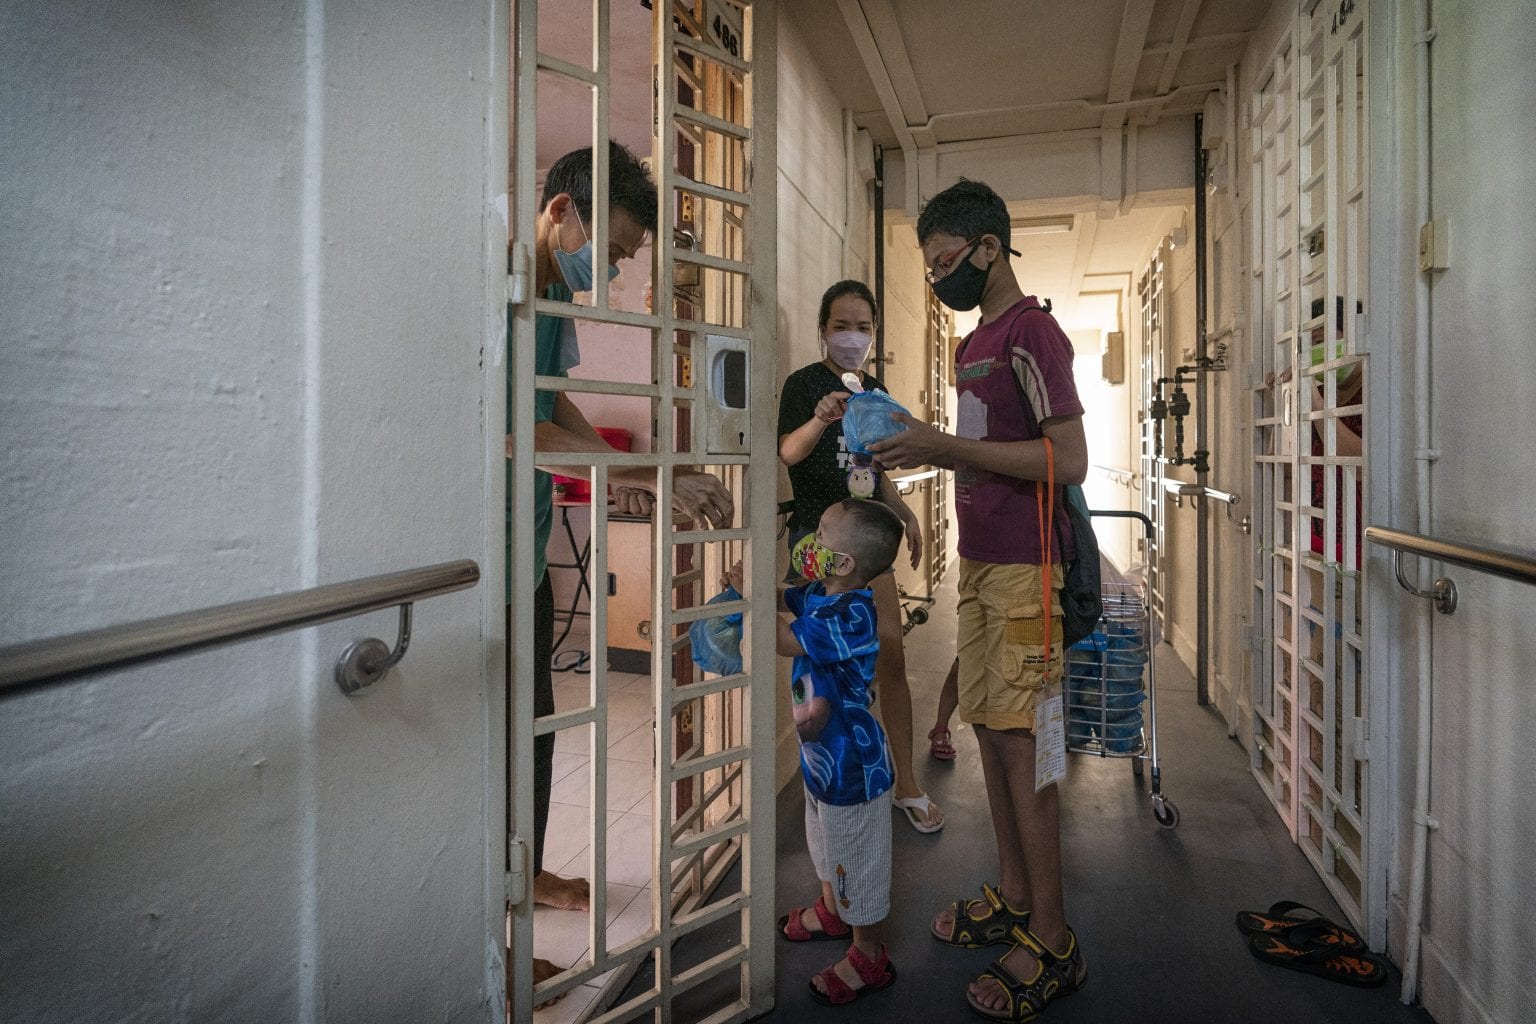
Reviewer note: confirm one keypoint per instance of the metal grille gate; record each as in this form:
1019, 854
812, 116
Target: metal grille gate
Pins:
1310, 722
708, 336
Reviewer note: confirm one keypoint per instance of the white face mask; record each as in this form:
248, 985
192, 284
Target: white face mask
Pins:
849, 349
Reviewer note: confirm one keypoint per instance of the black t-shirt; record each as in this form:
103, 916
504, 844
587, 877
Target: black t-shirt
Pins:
820, 480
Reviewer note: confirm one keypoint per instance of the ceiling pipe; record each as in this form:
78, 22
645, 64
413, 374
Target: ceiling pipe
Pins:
1071, 104
869, 53
1424, 456
1202, 437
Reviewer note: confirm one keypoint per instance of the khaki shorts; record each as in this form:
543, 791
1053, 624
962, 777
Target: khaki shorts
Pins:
1000, 644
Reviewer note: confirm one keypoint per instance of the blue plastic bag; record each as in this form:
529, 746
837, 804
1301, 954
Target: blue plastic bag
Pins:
716, 642
870, 418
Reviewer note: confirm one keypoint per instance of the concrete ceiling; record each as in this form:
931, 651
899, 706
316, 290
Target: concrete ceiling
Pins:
920, 75
987, 69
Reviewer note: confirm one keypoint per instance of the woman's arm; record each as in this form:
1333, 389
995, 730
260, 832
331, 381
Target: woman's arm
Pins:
796, 446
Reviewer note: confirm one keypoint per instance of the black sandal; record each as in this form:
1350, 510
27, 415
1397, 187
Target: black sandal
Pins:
971, 932
1056, 975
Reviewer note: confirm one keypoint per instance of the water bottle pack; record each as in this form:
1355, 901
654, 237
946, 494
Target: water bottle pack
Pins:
1104, 687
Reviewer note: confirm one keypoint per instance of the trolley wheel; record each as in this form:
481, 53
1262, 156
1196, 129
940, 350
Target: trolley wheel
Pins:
918, 616
1166, 814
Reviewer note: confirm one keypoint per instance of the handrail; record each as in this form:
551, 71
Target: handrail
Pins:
1122, 476
1181, 489
907, 481
61, 659
1507, 564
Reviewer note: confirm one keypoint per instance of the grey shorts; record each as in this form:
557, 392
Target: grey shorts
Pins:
851, 848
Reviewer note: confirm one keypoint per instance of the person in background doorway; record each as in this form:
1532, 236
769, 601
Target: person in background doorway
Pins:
564, 263
939, 746
845, 763
1016, 355
811, 444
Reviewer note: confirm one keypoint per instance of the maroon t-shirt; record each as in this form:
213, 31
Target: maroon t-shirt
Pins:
1023, 352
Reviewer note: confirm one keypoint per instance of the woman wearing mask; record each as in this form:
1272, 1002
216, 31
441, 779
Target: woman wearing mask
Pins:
811, 444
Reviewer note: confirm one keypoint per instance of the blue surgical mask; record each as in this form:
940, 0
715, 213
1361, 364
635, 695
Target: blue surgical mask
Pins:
576, 267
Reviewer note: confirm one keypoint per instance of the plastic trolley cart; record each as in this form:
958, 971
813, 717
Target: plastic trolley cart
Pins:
1110, 688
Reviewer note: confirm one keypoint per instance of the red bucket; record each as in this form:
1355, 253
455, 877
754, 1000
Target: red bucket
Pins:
577, 489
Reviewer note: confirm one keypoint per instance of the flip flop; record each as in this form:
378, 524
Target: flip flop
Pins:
939, 746
1358, 967
877, 976
792, 925
1282, 919
916, 809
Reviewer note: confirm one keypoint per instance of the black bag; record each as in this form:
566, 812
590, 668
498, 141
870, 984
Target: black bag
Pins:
1081, 604
1081, 600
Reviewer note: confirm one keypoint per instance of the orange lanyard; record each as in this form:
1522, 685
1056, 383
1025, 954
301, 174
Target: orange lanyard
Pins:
1046, 509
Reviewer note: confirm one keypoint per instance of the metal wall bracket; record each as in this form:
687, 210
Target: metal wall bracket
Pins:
365, 662
1442, 592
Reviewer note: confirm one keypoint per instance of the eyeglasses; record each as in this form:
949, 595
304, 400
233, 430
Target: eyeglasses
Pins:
946, 261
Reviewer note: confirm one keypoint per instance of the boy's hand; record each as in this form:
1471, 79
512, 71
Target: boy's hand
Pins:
734, 578
918, 445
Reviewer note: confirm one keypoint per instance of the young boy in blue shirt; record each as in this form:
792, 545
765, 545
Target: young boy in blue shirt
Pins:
831, 633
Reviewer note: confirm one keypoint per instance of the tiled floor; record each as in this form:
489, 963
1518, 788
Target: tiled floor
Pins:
562, 936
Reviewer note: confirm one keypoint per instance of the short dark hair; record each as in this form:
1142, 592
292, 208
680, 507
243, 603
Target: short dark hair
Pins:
967, 209
875, 537
836, 292
630, 187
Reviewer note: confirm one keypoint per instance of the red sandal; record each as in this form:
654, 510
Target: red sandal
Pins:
793, 928
939, 747
877, 975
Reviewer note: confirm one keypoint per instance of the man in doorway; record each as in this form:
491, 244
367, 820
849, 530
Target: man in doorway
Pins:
564, 263
1014, 379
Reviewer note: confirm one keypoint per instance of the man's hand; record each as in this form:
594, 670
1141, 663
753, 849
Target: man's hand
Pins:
914, 539
633, 501
734, 577
832, 407
918, 445
703, 497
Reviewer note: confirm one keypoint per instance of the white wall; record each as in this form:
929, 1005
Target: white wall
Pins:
244, 316
820, 216
1481, 883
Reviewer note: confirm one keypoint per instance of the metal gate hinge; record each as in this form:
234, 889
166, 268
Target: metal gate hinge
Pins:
518, 275
517, 877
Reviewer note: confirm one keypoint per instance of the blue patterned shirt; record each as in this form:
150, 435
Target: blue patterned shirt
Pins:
843, 754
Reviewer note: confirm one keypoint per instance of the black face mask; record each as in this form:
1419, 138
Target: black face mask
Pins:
961, 288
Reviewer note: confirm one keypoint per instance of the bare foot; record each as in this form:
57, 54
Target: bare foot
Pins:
550, 890
543, 970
